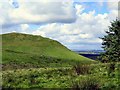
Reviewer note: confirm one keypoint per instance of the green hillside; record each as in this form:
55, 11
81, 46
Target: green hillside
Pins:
35, 62
23, 50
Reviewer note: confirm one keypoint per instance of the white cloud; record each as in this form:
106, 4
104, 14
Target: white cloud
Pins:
113, 5
37, 32
113, 15
37, 12
113, 10
79, 9
24, 27
86, 30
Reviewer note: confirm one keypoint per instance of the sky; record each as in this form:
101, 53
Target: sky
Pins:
76, 24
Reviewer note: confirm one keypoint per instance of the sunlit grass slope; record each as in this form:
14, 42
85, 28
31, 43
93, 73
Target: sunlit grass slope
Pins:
23, 48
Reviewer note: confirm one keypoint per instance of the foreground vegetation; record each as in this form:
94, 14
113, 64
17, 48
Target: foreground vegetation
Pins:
85, 77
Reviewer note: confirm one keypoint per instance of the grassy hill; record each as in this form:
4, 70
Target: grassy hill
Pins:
45, 63
23, 50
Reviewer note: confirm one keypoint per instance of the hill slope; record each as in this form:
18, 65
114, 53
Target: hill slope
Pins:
30, 50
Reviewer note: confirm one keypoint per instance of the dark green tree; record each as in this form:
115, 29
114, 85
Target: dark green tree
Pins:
111, 43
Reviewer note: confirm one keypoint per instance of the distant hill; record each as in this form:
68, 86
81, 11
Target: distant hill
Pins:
90, 51
25, 51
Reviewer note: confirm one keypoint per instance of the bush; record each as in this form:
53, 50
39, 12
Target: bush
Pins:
111, 69
86, 83
81, 69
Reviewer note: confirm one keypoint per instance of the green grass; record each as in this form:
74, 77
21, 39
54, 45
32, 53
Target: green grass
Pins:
19, 50
63, 77
35, 62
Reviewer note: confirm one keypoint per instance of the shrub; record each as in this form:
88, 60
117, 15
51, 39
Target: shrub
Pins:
81, 69
111, 68
86, 83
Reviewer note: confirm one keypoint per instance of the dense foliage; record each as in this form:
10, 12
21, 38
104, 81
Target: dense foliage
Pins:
97, 78
111, 43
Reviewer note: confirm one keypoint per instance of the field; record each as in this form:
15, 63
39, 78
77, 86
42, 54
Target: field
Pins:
35, 62
90, 77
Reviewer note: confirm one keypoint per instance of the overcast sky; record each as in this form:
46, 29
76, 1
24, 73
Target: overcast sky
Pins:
76, 24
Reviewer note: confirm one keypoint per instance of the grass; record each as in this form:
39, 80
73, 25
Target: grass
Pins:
63, 77
35, 62
20, 50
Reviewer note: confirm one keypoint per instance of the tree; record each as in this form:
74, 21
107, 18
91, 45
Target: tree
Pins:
111, 43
